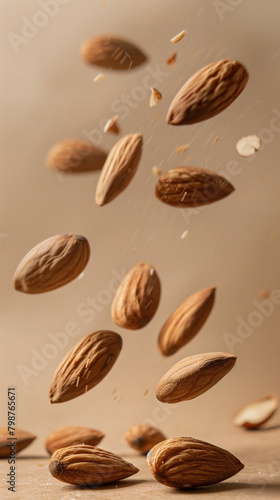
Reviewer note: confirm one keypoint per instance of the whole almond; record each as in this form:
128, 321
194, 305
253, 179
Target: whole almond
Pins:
255, 414
52, 263
186, 321
184, 462
119, 168
208, 92
86, 465
85, 365
137, 297
193, 376
75, 156
112, 52
70, 436
191, 187
21, 438
143, 437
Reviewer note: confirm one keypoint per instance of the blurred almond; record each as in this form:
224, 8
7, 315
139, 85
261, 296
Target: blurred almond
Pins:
84, 465
85, 365
137, 297
143, 437
186, 321
21, 438
70, 436
119, 169
193, 376
156, 96
255, 414
52, 263
75, 156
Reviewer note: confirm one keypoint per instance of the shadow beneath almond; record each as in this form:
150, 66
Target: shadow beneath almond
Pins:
124, 483
223, 487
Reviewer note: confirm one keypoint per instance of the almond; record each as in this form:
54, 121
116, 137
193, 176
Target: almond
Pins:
191, 187
70, 436
143, 437
85, 365
52, 263
21, 438
75, 156
186, 321
184, 462
208, 92
86, 465
112, 52
254, 414
193, 376
137, 297
119, 168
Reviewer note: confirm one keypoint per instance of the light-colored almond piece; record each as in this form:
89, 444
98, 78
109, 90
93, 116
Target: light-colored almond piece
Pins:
98, 77
119, 169
86, 465
181, 149
208, 92
156, 171
21, 438
70, 436
143, 437
137, 297
156, 96
112, 52
247, 146
171, 60
258, 412
112, 126
75, 156
194, 375
178, 37
85, 365
52, 263
191, 187
182, 326
184, 462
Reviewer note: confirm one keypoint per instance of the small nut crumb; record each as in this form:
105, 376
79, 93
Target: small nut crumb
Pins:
112, 126
247, 146
156, 171
178, 37
216, 139
98, 77
171, 60
263, 294
156, 96
184, 235
182, 148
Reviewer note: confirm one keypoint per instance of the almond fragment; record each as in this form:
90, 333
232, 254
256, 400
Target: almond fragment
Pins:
70, 436
98, 77
156, 171
184, 462
247, 146
181, 149
191, 187
22, 440
112, 126
89, 360
193, 376
75, 156
178, 37
182, 326
143, 437
156, 96
137, 297
52, 263
119, 168
208, 92
258, 412
86, 465
112, 52
171, 60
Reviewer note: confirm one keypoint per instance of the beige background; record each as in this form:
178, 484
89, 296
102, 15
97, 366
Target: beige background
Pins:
48, 94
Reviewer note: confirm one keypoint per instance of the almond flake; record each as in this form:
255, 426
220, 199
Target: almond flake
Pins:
247, 146
178, 37
171, 60
112, 126
156, 171
184, 235
98, 77
182, 148
156, 96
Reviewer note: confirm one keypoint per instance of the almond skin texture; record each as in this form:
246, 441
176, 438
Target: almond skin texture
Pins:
75, 156
191, 187
23, 440
112, 52
70, 436
255, 414
119, 169
137, 297
85, 465
52, 264
193, 376
186, 321
184, 462
208, 92
143, 437
85, 365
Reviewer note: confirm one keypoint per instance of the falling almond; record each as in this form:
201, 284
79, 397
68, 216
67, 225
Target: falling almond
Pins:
257, 413
156, 96
75, 156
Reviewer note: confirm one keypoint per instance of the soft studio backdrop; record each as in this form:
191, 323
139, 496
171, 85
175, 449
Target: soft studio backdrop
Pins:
48, 94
